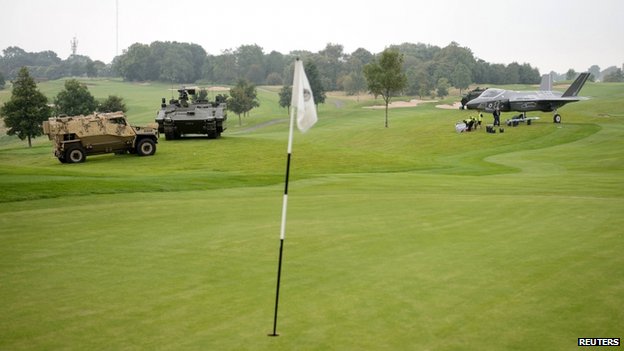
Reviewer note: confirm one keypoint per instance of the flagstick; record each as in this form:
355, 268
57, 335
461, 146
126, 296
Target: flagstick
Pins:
283, 225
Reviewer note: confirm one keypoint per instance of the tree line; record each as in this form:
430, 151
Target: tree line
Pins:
177, 62
46, 65
428, 67
425, 65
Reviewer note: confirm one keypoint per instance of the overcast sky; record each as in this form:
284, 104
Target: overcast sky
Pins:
548, 34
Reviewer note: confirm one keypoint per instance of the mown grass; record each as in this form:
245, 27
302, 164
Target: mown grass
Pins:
411, 237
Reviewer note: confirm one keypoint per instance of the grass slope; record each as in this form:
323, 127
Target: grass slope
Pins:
411, 237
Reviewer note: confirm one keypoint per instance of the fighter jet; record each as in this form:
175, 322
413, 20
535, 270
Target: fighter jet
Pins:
544, 100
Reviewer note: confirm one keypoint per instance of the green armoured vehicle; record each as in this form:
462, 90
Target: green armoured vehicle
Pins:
182, 117
78, 136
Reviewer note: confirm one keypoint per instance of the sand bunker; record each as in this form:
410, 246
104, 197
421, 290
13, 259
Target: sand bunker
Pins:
200, 88
454, 106
400, 104
217, 89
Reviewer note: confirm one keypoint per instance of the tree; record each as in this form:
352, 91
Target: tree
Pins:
13, 59
348, 85
594, 71
461, 77
256, 74
26, 110
176, 66
133, 64
512, 73
418, 82
90, 68
443, 86
250, 63
362, 56
243, 98
571, 74
37, 62
528, 74
275, 63
224, 67
614, 76
274, 78
285, 97
318, 91
354, 82
2, 81
113, 104
75, 99
330, 63
385, 77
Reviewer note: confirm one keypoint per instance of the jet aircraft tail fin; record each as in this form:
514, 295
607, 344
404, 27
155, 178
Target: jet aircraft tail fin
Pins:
576, 86
546, 84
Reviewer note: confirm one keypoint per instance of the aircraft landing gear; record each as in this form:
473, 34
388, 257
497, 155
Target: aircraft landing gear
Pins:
557, 118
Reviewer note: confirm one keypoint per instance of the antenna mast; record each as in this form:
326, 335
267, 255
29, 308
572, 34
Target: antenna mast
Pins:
74, 46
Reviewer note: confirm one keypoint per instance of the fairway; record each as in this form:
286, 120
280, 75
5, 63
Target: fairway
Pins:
411, 237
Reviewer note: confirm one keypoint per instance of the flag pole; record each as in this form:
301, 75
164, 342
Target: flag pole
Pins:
283, 224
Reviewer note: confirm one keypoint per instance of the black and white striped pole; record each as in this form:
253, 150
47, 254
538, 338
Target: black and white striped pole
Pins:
283, 223
302, 104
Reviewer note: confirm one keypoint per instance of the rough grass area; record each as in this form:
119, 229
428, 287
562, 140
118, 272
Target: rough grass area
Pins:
407, 238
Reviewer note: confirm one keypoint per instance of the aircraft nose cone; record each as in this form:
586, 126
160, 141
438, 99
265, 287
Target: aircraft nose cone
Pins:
473, 105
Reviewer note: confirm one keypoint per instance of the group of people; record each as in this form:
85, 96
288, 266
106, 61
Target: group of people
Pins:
473, 122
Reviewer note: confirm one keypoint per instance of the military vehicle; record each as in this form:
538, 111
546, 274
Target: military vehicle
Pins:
473, 94
78, 136
182, 117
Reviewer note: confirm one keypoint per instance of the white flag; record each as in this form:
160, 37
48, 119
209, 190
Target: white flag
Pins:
302, 100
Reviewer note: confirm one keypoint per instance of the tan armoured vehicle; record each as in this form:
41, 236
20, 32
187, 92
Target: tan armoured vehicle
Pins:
100, 133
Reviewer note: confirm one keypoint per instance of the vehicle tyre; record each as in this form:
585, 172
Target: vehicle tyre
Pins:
146, 147
557, 118
75, 154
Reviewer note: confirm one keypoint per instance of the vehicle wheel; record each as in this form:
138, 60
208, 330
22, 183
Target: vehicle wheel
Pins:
557, 118
146, 147
75, 154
